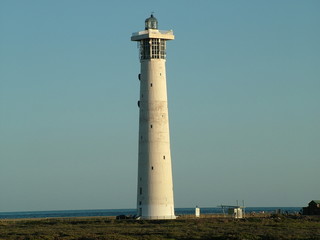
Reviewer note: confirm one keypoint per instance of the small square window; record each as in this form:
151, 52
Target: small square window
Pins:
164, 157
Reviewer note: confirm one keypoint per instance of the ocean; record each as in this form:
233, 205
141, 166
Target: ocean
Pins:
116, 212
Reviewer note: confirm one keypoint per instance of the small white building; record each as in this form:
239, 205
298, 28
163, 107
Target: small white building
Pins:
233, 211
197, 212
236, 212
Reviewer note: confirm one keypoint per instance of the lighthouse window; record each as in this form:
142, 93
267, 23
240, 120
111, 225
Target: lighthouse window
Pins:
162, 48
140, 203
152, 168
145, 49
140, 190
152, 48
155, 48
150, 84
164, 157
150, 126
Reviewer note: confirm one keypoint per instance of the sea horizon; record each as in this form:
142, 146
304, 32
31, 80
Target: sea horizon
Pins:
129, 211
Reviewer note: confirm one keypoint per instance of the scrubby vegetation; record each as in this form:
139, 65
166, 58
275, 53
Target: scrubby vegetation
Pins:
103, 228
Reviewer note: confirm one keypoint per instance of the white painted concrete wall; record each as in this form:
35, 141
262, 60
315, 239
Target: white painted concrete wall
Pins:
155, 186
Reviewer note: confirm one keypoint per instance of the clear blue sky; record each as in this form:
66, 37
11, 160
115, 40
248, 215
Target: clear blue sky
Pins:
244, 95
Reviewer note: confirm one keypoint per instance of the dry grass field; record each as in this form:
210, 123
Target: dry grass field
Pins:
102, 228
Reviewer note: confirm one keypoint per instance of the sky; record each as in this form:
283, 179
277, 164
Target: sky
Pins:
243, 82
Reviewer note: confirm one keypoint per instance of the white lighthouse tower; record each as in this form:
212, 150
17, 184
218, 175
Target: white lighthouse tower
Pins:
155, 187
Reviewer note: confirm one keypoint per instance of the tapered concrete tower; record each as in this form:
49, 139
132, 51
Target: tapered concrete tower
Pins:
155, 187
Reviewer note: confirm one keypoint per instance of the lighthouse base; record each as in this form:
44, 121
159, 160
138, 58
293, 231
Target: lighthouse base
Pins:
152, 212
157, 217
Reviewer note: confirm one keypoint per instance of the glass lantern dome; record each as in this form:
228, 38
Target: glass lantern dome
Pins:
151, 23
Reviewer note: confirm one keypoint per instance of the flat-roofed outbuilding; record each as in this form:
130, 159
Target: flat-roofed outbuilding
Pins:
312, 209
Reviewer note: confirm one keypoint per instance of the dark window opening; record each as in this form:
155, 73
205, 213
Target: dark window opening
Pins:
140, 190
140, 203
151, 126
150, 84
152, 168
164, 157
153, 48
139, 76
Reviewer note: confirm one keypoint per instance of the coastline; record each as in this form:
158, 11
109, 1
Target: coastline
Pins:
116, 212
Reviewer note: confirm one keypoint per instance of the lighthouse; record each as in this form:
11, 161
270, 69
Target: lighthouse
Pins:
155, 185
